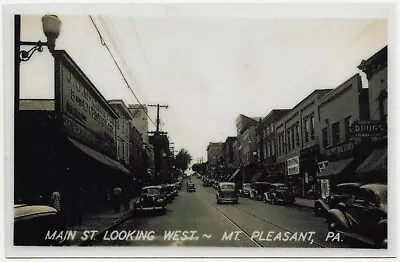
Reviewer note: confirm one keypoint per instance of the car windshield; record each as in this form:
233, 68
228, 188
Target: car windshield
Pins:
281, 187
151, 191
227, 187
247, 186
190, 185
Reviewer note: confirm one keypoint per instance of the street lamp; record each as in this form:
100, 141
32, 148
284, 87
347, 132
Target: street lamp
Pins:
51, 25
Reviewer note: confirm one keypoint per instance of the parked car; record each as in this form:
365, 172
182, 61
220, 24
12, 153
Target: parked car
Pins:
362, 217
32, 222
258, 189
174, 190
339, 193
151, 199
167, 193
226, 192
245, 190
279, 193
190, 187
206, 182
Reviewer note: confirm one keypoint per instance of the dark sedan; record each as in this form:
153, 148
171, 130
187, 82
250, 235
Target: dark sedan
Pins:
151, 199
362, 217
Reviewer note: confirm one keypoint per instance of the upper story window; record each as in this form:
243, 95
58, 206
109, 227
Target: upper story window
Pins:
297, 134
306, 131
347, 126
312, 124
335, 133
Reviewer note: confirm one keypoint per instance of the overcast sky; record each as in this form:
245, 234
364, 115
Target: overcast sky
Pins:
208, 64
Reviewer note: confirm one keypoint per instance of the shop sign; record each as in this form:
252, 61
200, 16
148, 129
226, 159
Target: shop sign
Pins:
340, 149
368, 128
322, 165
85, 114
293, 166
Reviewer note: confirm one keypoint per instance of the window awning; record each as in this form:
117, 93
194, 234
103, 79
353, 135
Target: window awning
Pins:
335, 168
100, 157
234, 174
375, 162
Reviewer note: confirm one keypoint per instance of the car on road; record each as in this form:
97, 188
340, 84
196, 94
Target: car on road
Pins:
279, 193
363, 217
245, 190
226, 192
32, 222
258, 189
151, 199
190, 187
340, 193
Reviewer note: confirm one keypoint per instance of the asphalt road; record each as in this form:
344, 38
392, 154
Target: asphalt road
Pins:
250, 224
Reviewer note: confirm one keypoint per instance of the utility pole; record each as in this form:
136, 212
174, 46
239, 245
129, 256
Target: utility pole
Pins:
158, 155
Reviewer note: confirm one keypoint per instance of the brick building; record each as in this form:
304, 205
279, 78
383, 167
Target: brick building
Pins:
297, 143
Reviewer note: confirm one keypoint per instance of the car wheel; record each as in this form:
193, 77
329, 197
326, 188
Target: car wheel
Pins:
381, 240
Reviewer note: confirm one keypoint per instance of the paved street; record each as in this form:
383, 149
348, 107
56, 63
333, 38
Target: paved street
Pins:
199, 212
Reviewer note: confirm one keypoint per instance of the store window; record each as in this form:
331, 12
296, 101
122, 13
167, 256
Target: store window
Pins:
335, 133
325, 137
347, 126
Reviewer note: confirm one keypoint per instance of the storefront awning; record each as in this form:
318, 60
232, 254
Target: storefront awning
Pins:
335, 168
375, 162
100, 157
234, 174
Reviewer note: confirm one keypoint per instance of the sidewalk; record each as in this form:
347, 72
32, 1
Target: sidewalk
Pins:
305, 202
99, 222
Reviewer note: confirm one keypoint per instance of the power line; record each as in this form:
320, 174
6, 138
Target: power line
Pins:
119, 68
140, 46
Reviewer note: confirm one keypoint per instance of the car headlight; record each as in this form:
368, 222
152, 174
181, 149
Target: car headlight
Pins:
142, 199
160, 200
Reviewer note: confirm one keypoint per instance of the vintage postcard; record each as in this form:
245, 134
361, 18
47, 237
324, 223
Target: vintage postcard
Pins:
230, 129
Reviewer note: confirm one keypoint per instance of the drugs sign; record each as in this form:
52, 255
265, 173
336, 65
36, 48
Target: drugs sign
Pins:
368, 128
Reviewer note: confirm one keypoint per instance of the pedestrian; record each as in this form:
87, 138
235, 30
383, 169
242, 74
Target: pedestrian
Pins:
55, 200
126, 198
117, 191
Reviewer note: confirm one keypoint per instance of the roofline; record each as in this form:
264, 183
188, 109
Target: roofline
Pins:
122, 103
63, 55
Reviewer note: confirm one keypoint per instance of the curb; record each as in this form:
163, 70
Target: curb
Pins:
112, 226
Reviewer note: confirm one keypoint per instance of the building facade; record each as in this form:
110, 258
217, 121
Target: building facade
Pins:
298, 148
247, 145
374, 167
215, 159
231, 162
123, 128
267, 146
340, 152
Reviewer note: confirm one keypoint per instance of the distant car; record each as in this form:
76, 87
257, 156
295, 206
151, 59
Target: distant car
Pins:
190, 187
33, 222
362, 217
279, 193
340, 193
226, 192
206, 182
151, 199
246, 189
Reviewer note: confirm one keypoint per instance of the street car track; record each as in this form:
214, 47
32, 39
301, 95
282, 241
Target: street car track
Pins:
257, 244
273, 224
258, 217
